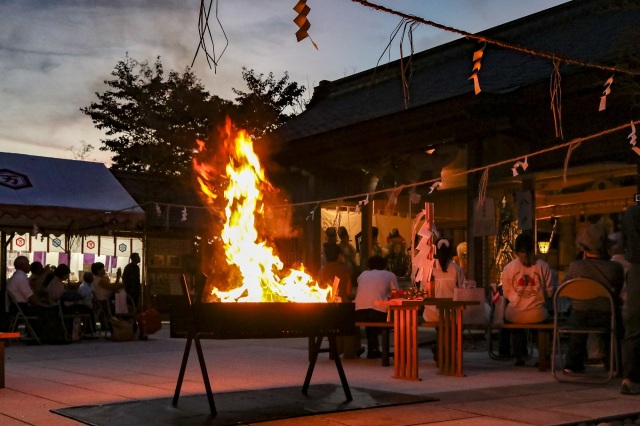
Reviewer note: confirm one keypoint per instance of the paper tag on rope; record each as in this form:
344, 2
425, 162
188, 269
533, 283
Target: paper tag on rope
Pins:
605, 93
477, 64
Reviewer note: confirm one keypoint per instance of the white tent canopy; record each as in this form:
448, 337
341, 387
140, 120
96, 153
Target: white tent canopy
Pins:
63, 196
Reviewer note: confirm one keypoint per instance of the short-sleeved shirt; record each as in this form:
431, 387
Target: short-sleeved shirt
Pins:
375, 285
18, 286
525, 287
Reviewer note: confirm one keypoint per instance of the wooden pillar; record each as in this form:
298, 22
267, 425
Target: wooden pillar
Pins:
474, 244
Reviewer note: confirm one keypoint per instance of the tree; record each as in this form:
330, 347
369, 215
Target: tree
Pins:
269, 102
82, 152
153, 123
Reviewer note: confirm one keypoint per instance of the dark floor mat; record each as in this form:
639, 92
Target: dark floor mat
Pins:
237, 408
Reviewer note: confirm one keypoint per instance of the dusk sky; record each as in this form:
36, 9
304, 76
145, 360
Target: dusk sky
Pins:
55, 54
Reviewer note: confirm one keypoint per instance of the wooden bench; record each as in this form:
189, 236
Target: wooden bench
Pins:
4, 336
545, 334
385, 327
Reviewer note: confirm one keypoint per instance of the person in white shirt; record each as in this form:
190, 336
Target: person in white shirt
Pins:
375, 284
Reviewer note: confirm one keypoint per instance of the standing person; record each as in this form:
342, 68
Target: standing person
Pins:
133, 287
336, 269
131, 279
349, 253
447, 275
374, 284
631, 342
595, 265
526, 282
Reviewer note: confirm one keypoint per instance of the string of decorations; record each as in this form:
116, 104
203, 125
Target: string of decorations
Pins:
506, 45
520, 161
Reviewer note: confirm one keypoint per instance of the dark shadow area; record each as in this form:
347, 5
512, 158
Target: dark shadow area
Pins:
237, 408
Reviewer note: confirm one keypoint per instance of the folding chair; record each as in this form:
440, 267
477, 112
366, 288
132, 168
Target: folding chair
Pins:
583, 289
102, 313
21, 316
85, 319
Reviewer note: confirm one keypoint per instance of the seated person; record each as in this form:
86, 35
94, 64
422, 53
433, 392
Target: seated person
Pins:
48, 326
103, 289
55, 288
85, 289
526, 282
374, 284
38, 275
595, 265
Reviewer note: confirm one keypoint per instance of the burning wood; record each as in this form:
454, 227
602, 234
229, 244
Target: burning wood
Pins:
256, 272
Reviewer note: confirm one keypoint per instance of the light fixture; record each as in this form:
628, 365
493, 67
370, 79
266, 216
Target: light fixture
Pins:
543, 246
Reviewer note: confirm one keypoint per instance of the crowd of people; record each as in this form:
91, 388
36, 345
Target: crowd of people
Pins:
528, 285
44, 292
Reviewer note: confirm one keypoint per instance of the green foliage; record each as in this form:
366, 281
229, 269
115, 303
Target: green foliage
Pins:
268, 104
153, 123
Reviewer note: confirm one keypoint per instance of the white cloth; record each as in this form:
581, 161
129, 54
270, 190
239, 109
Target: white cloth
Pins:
444, 285
375, 285
18, 286
101, 293
525, 288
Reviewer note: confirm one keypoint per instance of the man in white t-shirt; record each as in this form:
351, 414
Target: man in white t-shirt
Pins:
374, 284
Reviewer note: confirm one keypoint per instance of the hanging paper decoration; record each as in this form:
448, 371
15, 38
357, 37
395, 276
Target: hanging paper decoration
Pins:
362, 203
556, 98
312, 213
184, 215
522, 164
302, 22
477, 59
422, 253
158, 211
435, 185
607, 90
632, 139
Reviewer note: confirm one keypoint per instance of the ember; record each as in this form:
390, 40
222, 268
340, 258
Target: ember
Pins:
260, 269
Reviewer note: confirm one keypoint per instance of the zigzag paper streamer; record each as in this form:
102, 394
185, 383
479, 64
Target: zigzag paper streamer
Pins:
632, 139
183, 218
522, 164
302, 22
605, 93
477, 59
436, 185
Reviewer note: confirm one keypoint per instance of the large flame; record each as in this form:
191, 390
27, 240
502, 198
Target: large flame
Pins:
259, 266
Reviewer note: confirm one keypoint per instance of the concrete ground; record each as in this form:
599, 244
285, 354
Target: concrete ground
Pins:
42, 378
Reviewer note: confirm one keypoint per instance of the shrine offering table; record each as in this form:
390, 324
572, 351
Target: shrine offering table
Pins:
405, 327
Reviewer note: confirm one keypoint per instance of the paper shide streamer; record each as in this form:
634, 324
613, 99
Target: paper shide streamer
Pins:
302, 22
605, 93
632, 139
477, 64
522, 164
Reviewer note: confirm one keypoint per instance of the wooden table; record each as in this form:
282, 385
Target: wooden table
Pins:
3, 336
405, 327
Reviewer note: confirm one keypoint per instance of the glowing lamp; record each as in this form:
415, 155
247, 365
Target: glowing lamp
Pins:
543, 246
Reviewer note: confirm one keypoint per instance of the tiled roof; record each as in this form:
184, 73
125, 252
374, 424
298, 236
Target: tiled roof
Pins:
598, 31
